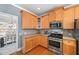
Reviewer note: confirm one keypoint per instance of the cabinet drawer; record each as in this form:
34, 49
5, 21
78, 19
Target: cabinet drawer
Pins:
69, 42
68, 50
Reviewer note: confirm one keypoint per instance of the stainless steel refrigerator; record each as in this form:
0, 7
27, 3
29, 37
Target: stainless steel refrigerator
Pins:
76, 34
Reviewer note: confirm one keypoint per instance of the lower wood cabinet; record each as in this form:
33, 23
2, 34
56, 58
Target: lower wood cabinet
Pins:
35, 41
44, 41
69, 47
27, 45
39, 39
31, 42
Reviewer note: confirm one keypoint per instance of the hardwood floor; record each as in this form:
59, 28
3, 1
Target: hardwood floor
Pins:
39, 50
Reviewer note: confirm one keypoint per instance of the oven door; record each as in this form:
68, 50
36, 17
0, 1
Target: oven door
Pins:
60, 36
54, 43
55, 46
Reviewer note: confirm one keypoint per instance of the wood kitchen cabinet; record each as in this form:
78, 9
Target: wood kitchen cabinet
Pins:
52, 16
27, 45
35, 41
56, 15
44, 41
44, 23
35, 22
29, 21
25, 19
68, 21
39, 39
59, 12
69, 47
76, 12
31, 42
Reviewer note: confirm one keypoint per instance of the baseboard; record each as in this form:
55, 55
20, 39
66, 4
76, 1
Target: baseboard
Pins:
19, 49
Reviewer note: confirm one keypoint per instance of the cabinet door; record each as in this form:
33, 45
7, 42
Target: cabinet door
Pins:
69, 47
29, 21
35, 41
68, 50
25, 19
27, 45
68, 22
52, 16
44, 22
76, 12
39, 39
35, 22
59, 14
44, 41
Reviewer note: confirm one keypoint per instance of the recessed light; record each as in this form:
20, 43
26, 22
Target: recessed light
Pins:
38, 8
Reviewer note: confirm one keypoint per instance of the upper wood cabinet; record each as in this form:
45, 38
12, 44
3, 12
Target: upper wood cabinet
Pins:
44, 22
52, 16
35, 22
76, 12
59, 12
25, 19
30, 25
29, 21
68, 21
56, 15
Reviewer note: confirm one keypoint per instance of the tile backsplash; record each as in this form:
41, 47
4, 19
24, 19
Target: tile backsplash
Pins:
29, 32
32, 31
68, 32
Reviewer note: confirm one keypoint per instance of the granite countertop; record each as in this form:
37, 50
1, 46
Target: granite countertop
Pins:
32, 35
69, 38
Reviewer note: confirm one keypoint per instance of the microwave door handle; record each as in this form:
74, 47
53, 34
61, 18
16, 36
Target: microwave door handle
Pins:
58, 25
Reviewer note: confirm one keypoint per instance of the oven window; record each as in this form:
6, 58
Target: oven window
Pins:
54, 43
56, 35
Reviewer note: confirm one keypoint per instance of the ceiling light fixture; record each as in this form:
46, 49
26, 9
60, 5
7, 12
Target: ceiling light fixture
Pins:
38, 8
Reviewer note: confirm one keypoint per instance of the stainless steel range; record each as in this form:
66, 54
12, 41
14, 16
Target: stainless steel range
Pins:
55, 40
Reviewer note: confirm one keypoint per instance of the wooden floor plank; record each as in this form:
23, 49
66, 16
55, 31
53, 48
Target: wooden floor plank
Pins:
39, 50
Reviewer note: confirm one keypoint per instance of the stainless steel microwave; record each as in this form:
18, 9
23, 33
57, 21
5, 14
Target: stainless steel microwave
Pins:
55, 25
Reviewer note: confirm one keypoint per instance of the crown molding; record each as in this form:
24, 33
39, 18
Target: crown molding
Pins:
22, 9
70, 6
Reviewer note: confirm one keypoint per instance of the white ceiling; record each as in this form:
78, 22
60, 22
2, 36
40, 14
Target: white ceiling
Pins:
43, 7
